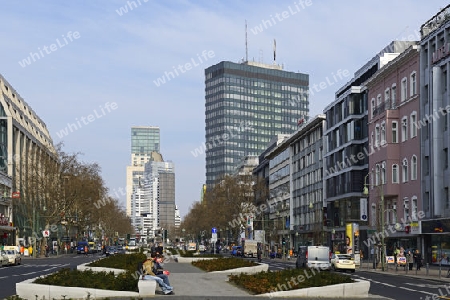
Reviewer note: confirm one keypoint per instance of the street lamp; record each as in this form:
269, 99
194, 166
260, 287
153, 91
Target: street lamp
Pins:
381, 191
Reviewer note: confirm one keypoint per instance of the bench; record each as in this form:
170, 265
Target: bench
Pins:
147, 287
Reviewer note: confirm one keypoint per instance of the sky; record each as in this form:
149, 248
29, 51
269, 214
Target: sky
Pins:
93, 69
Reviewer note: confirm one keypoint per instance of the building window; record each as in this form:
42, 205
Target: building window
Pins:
394, 132
387, 98
414, 208
444, 114
445, 158
377, 174
383, 173
406, 208
413, 84
404, 129
372, 104
394, 215
403, 90
447, 200
394, 173
393, 96
405, 170
414, 167
425, 164
377, 135
413, 121
383, 134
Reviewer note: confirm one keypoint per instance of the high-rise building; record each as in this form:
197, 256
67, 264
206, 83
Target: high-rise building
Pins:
144, 140
246, 105
158, 196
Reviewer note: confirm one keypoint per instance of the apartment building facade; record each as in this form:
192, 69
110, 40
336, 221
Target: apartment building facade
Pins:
394, 160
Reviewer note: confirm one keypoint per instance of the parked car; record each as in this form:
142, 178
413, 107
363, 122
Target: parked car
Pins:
111, 250
4, 260
120, 249
13, 256
342, 262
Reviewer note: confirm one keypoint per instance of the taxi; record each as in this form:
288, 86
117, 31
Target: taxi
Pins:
13, 255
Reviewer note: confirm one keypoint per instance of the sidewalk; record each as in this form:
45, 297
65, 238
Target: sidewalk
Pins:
189, 281
432, 272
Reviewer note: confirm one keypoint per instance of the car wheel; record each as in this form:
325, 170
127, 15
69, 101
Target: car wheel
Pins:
333, 267
353, 271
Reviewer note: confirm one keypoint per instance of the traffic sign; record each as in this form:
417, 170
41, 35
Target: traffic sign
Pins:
45, 233
214, 230
214, 237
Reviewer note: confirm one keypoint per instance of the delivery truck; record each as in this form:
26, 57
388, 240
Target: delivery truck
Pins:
250, 248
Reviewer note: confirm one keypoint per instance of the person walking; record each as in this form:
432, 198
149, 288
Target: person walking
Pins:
410, 260
418, 259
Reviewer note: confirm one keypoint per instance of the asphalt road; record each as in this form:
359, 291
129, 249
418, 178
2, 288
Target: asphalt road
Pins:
383, 286
34, 267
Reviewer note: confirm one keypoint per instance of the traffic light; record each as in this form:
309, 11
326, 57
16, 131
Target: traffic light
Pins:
283, 240
128, 236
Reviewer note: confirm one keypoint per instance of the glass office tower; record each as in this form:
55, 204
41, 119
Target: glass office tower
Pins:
246, 105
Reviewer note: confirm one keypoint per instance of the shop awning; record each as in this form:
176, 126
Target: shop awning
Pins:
8, 228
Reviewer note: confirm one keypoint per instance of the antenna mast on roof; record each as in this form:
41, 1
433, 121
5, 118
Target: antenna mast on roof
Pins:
246, 46
274, 51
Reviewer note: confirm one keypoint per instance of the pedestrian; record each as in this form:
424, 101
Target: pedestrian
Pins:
158, 269
410, 260
149, 275
396, 253
418, 259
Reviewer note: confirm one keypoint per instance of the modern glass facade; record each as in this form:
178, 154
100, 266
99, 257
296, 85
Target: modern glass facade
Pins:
246, 105
144, 139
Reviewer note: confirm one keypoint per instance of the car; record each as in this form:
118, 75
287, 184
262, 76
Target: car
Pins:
13, 257
313, 257
120, 249
4, 260
81, 245
111, 250
236, 251
342, 262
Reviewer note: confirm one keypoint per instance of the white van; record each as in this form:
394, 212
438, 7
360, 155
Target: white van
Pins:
313, 257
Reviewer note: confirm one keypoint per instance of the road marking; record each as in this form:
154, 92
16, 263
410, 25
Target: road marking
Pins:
387, 284
29, 273
7, 276
408, 289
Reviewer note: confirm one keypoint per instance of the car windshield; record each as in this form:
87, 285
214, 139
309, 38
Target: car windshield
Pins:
10, 251
343, 256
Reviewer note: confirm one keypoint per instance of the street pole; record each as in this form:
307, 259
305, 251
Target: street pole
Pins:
33, 235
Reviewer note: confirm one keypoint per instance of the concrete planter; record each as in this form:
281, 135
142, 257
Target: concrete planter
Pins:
247, 270
358, 289
191, 259
84, 267
29, 290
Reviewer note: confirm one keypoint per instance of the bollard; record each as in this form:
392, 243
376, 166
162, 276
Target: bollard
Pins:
428, 268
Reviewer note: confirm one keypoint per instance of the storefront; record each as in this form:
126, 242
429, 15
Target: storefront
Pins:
436, 234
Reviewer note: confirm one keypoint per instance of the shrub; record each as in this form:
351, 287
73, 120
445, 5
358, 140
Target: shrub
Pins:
127, 262
266, 282
89, 279
221, 264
